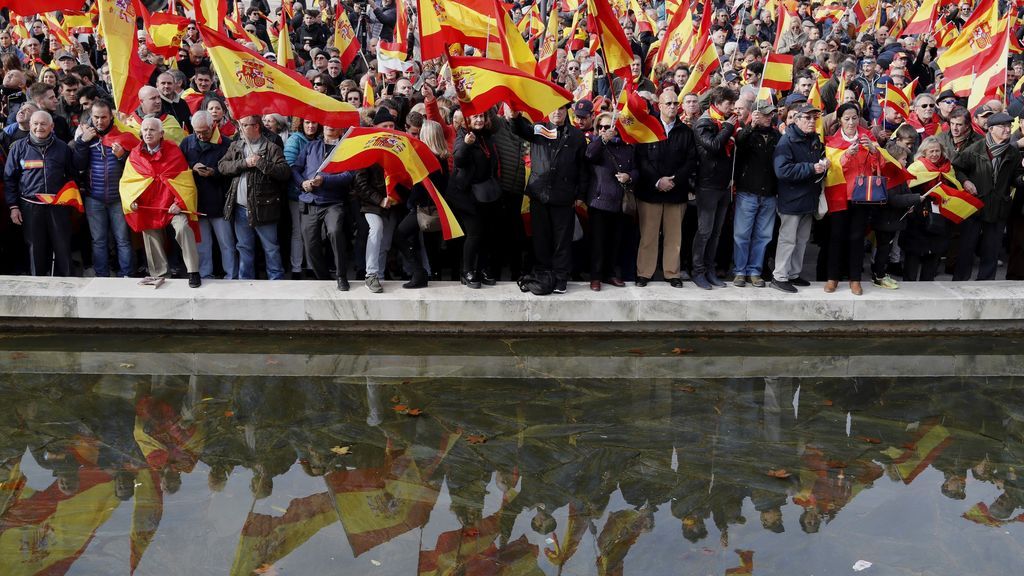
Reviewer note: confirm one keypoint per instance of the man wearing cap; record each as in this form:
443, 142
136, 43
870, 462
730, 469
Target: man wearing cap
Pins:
800, 166
981, 116
584, 113
715, 133
732, 80
946, 101
755, 194
66, 61
989, 169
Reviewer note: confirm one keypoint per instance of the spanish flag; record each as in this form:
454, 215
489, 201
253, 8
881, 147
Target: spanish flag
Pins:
746, 563
549, 45
45, 532
56, 30
865, 9
679, 39
467, 22
835, 180
636, 125
618, 54
163, 438
78, 22
69, 195
976, 38
909, 462
432, 37
700, 76
266, 539
211, 13
514, 50
482, 83
897, 100
785, 21
369, 98
254, 86
398, 49
456, 549
956, 205
345, 40
620, 532
778, 71
164, 32
980, 514
128, 73
926, 172
239, 32
147, 511
193, 98
146, 179
406, 161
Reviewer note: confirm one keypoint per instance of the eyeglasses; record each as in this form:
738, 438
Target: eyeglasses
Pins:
604, 127
949, 101
317, 84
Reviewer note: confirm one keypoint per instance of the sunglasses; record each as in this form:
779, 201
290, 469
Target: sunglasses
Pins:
604, 127
317, 84
926, 106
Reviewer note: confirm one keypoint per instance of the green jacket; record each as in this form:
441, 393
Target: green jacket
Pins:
994, 186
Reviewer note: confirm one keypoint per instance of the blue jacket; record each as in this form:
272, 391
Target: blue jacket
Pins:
211, 189
295, 147
104, 169
335, 187
799, 186
32, 169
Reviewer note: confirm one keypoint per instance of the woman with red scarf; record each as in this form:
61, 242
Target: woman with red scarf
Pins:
923, 119
854, 151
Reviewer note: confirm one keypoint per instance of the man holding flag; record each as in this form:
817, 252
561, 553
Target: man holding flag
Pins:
41, 164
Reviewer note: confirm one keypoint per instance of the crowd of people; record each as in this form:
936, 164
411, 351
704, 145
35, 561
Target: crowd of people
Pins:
734, 194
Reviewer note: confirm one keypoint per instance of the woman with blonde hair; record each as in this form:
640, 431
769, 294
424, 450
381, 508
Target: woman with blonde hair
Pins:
408, 234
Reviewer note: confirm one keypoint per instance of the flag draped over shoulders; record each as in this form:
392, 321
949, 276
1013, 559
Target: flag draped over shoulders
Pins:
153, 182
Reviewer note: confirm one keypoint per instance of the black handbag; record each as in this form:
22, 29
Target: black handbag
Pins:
487, 191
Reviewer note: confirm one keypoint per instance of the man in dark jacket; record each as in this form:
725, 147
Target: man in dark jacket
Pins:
989, 169
41, 164
323, 198
385, 13
104, 163
800, 166
960, 134
558, 180
203, 149
715, 133
312, 34
755, 195
667, 169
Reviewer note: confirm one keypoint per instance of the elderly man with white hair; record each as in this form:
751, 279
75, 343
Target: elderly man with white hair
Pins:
158, 189
203, 150
41, 164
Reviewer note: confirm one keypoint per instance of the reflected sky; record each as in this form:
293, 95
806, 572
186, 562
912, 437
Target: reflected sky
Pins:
433, 456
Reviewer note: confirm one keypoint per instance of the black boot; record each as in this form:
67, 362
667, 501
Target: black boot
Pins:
470, 279
419, 275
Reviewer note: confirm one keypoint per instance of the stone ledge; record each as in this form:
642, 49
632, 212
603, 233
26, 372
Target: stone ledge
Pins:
450, 307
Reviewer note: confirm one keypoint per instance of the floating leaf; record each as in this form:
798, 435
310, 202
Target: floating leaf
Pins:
682, 350
827, 402
414, 412
870, 440
342, 450
687, 389
636, 351
401, 408
126, 365
395, 399
375, 562
228, 413
272, 362
836, 464
780, 473
476, 439
266, 570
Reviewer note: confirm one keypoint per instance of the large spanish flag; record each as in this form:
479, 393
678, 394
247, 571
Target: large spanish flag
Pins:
406, 161
679, 39
482, 83
456, 549
45, 532
432, 38
549, 45
700, 77
171, 177
266, 539
909, 461
778, 71
254, 86
617, 51
976, 36
69, 195
164, 32
468, 22
514, 50
128, 73
636, 125
345, 40
956, 205
56, 30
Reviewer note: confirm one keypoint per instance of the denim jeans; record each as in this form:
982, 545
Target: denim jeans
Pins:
104, 220
379, 241
247, 246
225, 233
752, 231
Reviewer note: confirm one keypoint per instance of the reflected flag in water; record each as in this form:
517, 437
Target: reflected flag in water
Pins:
456, 549
915, 457
146, 514
45, 532
267, 539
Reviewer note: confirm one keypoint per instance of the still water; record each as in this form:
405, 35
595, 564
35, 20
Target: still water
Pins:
481, 456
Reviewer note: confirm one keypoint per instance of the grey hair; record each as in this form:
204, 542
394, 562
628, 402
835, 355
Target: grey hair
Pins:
202, 117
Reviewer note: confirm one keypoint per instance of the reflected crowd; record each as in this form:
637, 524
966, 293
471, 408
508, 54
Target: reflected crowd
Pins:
801, 450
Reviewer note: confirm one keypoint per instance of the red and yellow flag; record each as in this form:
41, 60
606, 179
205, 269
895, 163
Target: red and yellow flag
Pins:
467, 22
128, 73
285, 53
398, 48
146, 514
679, 39
266, 539
164, 32
69, 195
956, 205
897, 100
778, 71
700, 76
835, 180
618, 54
514, 50
154, 183
620, 532
78, 22
406, 161
121, 133
369, 97
345, 40
239, 32
456, 549
931, 440
211, 13
482, 83
636, 125
785, 20
254, 86
549, 45
977, 37
40, 6
432, 37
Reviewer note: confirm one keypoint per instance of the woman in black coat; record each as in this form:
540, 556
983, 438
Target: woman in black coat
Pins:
408, 233
890, 219
476, 163
927, 236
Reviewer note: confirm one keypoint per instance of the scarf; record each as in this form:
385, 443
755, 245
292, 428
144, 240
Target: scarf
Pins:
925, 172
718, 118
40, 142
995, 151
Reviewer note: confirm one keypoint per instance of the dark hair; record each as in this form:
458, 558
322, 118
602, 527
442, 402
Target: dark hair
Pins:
101, 102
847, 106
721, 94
414, 120
204, 70
84, 71
718, 27
959, 112
39, 89
70, 80
89, 92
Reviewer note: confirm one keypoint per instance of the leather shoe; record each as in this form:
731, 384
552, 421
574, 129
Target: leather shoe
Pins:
194, 280
343, 284
615, 281
831, 285
701, 281
470, 279
856, 288
595, 285
675, 282
714, 281
486, 279
641, 281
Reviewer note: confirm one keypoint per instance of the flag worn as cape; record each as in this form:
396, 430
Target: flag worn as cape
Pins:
157, 180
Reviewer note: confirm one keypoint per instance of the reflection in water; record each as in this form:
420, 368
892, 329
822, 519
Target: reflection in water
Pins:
211, 474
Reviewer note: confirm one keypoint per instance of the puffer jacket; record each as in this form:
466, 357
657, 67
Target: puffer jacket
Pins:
104, 169
473, 164
293, 149
799, 185
715, 169
335, 187
37, 169
606, 160
265, 181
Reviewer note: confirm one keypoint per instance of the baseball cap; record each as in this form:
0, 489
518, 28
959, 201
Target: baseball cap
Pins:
765, 107
805, 108
583, 109
984, 111
794, 99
